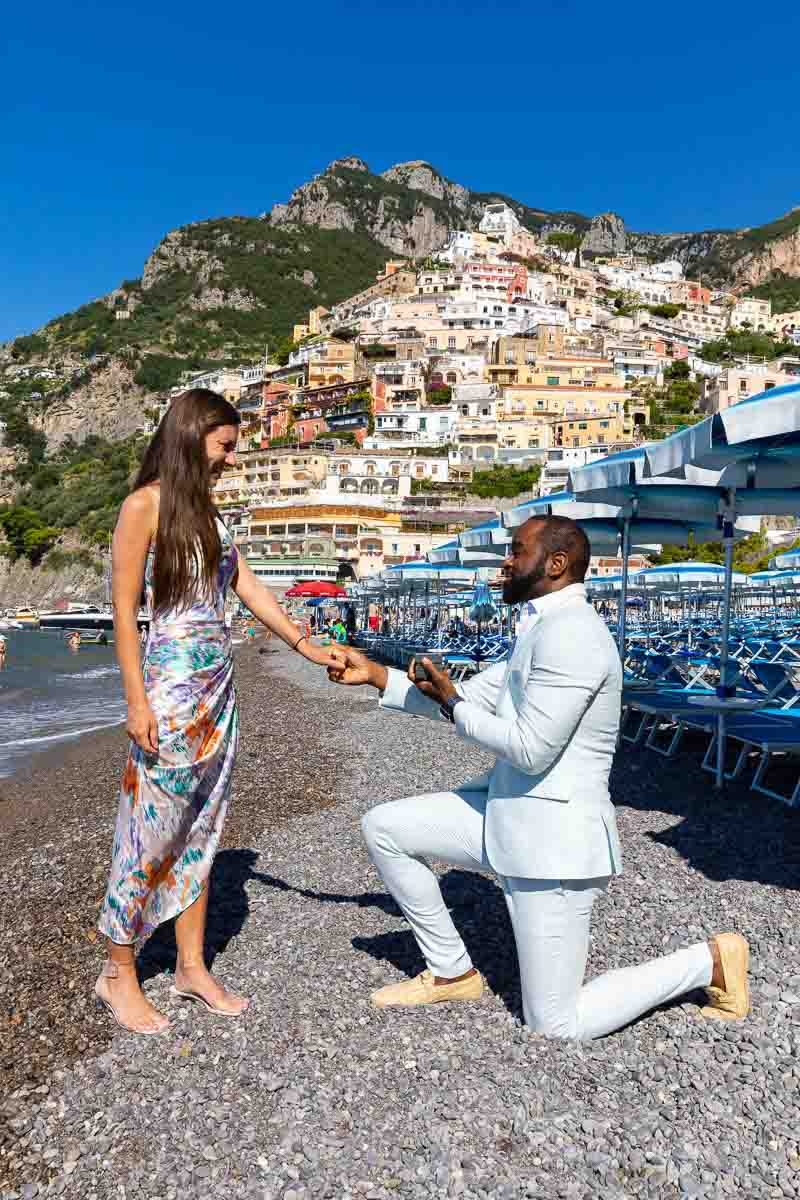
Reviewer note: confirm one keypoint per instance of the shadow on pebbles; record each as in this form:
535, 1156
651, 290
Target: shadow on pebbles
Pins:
316, 1094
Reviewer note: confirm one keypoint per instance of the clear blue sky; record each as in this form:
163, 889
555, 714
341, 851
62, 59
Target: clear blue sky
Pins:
120, 121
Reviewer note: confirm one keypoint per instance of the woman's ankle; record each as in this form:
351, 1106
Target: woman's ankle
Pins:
190, 963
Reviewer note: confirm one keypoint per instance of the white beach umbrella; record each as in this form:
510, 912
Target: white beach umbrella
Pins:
670, 574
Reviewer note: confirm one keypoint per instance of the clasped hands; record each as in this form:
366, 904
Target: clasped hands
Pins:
353, 668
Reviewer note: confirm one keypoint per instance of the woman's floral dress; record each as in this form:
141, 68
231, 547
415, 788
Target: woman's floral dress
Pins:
173, 803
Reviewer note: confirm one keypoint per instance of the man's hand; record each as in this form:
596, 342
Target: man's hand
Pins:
353, 668
438, 686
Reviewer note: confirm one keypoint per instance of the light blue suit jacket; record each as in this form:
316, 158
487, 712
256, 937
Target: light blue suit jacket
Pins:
550, 715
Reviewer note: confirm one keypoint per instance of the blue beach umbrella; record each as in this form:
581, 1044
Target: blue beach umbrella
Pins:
482, 609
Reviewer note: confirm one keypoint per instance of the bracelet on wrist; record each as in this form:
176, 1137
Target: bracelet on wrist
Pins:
302, 638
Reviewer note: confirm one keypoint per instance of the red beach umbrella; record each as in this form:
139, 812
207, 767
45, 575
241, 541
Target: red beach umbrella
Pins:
315, 587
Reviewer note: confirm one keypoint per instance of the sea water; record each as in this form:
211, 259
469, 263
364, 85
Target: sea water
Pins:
50, 694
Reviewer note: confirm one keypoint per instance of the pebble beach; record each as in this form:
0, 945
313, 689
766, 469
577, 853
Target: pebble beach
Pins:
315, 1094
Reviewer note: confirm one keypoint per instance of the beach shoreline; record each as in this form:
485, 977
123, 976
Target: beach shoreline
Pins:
56, 824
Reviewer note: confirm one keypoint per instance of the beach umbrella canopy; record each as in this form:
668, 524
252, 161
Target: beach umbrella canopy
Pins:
753, 444
669, 574
315, 587
604, 523
701, 496
789, 558
774, 576
422, 570
483, 606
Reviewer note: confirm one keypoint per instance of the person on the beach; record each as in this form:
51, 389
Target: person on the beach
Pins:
181, 703
541, 819
3, 648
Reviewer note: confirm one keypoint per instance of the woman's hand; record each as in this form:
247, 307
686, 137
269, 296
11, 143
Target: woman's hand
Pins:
142, 726
316, 654
354, 668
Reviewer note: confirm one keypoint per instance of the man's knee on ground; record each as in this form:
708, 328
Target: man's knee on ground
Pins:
376, 824
552, 1025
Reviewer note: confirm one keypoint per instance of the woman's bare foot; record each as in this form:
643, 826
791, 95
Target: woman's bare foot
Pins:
196, 982
118, 989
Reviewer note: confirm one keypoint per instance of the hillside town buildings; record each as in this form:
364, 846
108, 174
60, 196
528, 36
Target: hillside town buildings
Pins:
503, 349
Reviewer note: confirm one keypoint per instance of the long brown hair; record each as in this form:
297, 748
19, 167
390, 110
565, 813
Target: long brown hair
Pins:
176, 457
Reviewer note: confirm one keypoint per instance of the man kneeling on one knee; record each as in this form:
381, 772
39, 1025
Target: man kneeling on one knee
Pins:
541, 819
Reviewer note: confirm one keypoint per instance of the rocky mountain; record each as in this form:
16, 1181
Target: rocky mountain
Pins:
409, 209
218, 290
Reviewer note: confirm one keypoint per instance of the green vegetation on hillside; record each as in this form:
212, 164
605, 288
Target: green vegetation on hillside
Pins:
246, 255
750, 554
782, 290
503, 481
564, 241
757, 238
25, 533
668, 311
79, 487
738, 343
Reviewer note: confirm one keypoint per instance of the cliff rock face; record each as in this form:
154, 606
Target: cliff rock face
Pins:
109, 404
391, 208
176, 253
20, 583
782, 255
606, 235
422, 177
216, 297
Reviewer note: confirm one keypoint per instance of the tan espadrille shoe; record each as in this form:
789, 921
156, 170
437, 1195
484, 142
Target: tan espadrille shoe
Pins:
423, 990
732, 1002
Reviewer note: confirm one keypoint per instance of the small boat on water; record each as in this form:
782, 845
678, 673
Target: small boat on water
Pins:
78, 616
26, 617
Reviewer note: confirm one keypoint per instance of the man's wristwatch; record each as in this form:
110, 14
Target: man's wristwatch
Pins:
447, 708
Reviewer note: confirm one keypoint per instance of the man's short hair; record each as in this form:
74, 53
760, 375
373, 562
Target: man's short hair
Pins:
564, 534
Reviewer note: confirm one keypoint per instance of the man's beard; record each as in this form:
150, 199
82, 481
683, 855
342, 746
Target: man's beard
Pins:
520, 587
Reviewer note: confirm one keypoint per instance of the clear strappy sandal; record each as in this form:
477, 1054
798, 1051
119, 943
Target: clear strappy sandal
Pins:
110, 970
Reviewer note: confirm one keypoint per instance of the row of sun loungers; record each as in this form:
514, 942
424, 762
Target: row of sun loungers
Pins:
669, 675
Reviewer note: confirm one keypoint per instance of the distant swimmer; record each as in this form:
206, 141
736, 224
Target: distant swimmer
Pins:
2, 650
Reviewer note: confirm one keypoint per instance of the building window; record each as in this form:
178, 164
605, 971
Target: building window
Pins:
451, 342
553, 381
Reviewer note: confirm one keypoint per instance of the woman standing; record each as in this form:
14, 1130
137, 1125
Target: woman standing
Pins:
181, 703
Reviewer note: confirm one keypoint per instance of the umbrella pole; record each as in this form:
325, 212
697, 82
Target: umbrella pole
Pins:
724, 691
623, 592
